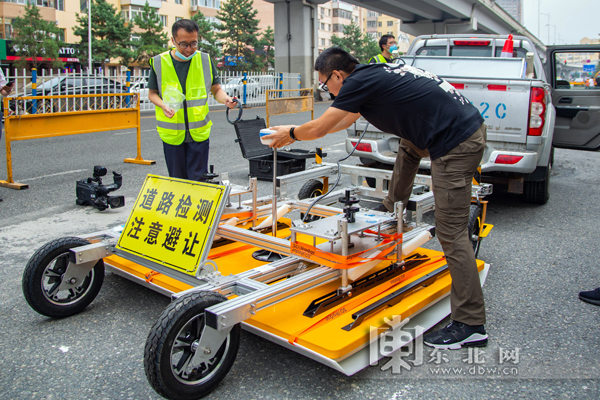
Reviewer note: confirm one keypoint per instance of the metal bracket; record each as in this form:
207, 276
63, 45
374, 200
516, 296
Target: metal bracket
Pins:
75, 274
90, 252
210, 342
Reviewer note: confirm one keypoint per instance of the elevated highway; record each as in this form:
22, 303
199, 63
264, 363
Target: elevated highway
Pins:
424, 17
296, 23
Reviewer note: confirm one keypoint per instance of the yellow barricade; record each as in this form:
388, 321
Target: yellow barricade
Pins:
69, 115
279, 105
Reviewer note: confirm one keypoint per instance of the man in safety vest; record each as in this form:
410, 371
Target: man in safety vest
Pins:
180, 83
387, 44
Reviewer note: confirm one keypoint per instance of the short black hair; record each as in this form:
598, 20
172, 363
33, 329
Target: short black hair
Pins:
187, 24
384, 39
335, 59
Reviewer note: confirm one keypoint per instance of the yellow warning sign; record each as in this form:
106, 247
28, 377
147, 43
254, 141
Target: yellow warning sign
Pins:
171, 222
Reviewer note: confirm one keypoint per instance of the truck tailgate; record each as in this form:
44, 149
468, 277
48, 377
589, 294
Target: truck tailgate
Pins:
504, 104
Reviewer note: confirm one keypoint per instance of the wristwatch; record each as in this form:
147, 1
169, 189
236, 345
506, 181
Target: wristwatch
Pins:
292, 134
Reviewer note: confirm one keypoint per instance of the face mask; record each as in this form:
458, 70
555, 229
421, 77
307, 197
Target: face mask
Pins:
393, 48
178, 54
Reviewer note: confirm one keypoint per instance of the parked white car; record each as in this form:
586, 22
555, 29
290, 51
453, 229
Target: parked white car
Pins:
235, 87
140, 86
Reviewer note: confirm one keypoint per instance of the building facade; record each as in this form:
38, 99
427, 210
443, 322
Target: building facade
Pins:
331, 17
513, 7
64, 14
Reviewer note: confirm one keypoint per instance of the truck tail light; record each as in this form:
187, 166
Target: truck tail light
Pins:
471, 42
507, 159
366, 147
537, 111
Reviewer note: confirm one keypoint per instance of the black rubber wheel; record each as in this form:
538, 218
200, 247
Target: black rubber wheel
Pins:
171, 345
474, 227
371, 182
538, 192
43, 276
312, 188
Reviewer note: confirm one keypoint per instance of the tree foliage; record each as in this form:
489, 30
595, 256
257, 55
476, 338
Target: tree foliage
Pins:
111, 37
360, 45
36, 38
239, 33
208, 37
267, 43
153, 39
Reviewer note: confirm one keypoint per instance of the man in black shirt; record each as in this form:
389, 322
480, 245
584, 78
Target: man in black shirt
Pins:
433, 120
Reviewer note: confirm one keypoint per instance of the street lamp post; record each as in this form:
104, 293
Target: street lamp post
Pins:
89, 36
548, 25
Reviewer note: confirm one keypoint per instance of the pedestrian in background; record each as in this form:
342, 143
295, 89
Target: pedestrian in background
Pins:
180, 83
387, 44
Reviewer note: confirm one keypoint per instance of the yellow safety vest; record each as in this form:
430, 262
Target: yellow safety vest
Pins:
198, 83
379, 58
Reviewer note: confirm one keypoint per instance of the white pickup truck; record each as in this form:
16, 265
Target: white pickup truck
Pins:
529, 104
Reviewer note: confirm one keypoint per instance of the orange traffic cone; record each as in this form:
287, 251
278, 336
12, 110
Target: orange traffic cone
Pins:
507, 50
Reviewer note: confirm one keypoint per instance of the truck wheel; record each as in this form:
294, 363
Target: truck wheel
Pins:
538, 192
174, 339
44, 274
474, 227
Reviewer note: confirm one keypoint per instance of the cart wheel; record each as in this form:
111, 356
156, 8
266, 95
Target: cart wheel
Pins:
312, 188
171, 345
43, 276
475, 227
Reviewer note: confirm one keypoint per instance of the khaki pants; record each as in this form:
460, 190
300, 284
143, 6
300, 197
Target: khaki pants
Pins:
451, 177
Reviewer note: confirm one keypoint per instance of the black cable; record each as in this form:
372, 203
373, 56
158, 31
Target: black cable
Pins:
339, 172
240, 112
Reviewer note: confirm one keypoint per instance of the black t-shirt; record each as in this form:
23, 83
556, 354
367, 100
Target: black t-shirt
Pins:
410, 103
181, 69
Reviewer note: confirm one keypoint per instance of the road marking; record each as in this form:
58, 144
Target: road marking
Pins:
339, 144
129, 133
48, 176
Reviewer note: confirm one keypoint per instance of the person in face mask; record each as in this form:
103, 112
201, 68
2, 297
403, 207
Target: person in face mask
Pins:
431, 119
387, 44
180, 82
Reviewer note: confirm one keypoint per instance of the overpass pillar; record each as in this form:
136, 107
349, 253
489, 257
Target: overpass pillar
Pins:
296, 46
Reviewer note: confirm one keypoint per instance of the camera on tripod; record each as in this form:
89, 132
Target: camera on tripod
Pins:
92, 192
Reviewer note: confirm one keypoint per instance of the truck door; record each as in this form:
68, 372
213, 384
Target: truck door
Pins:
574, 72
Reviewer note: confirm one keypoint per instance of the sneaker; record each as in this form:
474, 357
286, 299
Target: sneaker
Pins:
381, 208
455, 335
592, 296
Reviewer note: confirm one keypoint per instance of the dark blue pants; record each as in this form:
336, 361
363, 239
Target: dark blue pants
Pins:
187, 160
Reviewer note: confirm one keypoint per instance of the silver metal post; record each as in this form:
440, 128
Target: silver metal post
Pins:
399, 208
274, 192
343, 228
254, 188
89, 37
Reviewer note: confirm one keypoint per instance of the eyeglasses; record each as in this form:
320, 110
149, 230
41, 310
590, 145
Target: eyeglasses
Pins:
323, 86
193, 45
